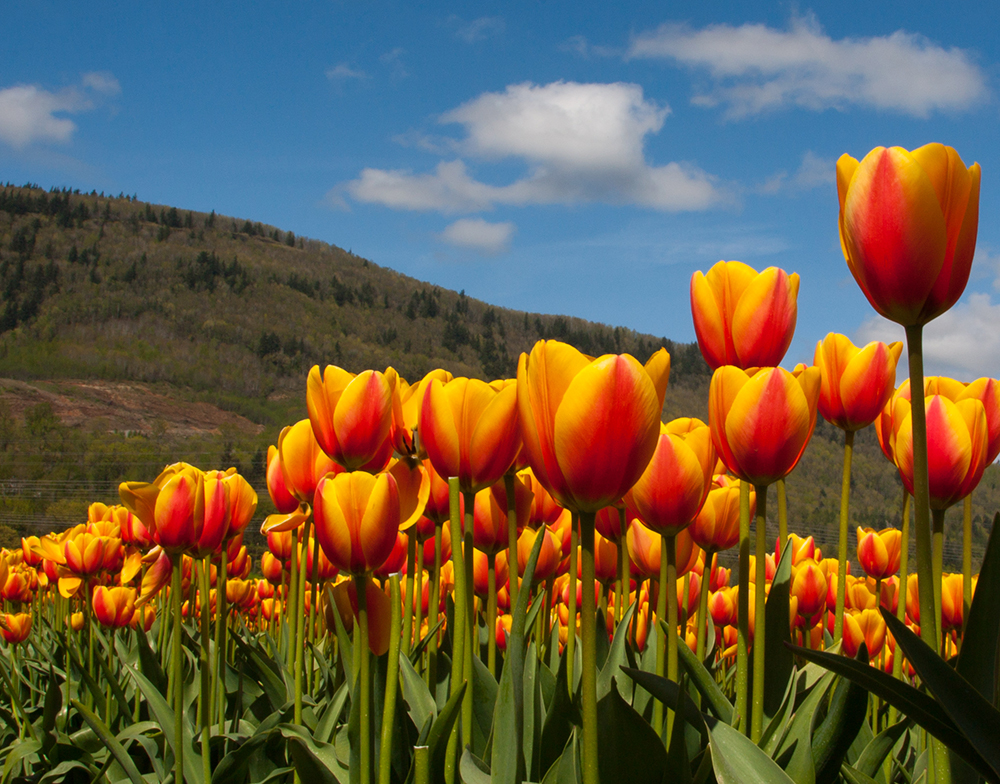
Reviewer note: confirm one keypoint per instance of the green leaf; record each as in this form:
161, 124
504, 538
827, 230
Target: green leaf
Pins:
855, 776
484, 687
344, 648
418, 649
677, 751
779, 659
232, 769
473, 769
976, 718
795, 750
328, 721
737, 760
775, 729
53, 703
921, 708
706, 685
616, 659
110, 741
843, 720
566, 769
666, 692
265, 671
437, 739
630, 749
560, 717
315, 762
18, 751
878, 749
419, 702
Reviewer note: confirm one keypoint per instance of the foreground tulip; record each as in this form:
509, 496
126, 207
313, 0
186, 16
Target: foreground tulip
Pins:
742, 317
15, 628
879, 551
590, 427
114, 607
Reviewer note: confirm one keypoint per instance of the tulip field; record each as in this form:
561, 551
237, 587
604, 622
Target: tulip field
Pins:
519, 581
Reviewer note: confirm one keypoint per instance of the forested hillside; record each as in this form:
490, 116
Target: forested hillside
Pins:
134, 334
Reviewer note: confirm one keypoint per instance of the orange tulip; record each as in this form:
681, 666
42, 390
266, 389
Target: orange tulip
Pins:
114, 607
490, 515
879, 551
809, 588
952, 607
395, 562
406, 411
866, 626
480, 572
470, 430
548, 557
277, 488
605, 560
15, 627
544, 509
672, 490
742, 317
855, 384
303, 462
908, 223
351, 415
957, 443
717, 526
858, 595
590, 426
143, 617
762, 423
357, 518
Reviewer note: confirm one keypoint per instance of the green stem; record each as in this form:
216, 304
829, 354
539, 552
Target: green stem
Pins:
491, 613
472, 630
589, 669
571, 631
411, 561
904, 561
845, 497
759, 665
433, 611
743, 609
219, 664
314, 595
177, 673
460, 631
300, 622
662, 601
391, 684
937, 545
702, 632
508, 486
421, 764
966, 562
668, 545
364, 686
291, 601
205, 694
782, 513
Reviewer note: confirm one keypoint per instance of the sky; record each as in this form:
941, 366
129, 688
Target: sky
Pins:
554, 157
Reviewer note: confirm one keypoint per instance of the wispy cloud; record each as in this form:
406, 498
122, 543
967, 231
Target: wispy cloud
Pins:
343, 72
479, 29
579, 45
490, 239
813, 172
580, 143
756, 68
30, 114
393, 60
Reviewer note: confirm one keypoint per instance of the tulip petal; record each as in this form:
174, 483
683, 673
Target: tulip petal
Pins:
439, 429
764, 319
496, 440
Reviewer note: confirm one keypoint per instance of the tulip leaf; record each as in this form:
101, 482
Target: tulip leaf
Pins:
232, 768
110, 741
315, 762
844, 718
855, 776
630, 749
666, 692
566, 768
977, 661
419, 702
795, 752
265, 671
560, 717
507, 762
418, 649
344, 648
704, 681
53, 703
149, 662
779, 659
737, 760
921, 708
473, 769
484, 687
437, 738
328, 720
616, 659
975, 718
775, 729
874, 754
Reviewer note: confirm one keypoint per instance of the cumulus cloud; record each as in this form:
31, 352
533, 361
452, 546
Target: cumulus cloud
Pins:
479, 235
580, 143
480, 29
30, 114
756, 68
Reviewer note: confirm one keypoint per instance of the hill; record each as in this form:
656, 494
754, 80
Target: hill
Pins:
132, 334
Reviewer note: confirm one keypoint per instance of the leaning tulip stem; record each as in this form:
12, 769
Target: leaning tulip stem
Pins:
177, 673
966, 561
702, 628
508, 488
845, 497
300, 622
364, 687
205, 694
221, 627
669, 546
460, 631
491, 613
433, 611
588, 624
472, 632
662, 600
391, 684
904, 559
760, 595
291, 601
411, 558
743, 610
782, 513
415, 597
571, 631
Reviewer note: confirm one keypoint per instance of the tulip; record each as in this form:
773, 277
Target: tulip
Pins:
742, 317
351, 416
722, 606
855, 384
879, 551
114, 607
866, 626
717, 526
281, 495
809, 588
15, 628
952, 605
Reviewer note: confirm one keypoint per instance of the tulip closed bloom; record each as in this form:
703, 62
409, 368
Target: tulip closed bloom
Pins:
879, 551
952, 608
357, 518
855, 384
548, 557
809, 588
865, 627
590, 426
352, 415
490, 516
717, 526
762, 423
742, 317
15, 628
908, 224
114, 607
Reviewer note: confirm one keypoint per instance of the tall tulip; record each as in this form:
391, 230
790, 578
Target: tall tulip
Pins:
590, 427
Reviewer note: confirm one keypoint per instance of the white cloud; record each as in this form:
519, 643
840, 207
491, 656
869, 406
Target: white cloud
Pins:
342, 72
813, 172
479, 235
29, 113
579, 45
758, 68
481, 28
580, 142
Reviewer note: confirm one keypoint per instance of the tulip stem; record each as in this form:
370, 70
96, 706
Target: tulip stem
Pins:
415, 596
391, 684
411, 559
300, 620
760, 596
491, 613
291, 600
219, 664
205, 695
904, 562
589, 669
433, 610
782, 513
314, 595
669, 547
702, 627
571, 631
472, 640
966, 562
937, 544
743, 610
460, 631
177, 672
364, 686
662, 600
508, 488
845, 497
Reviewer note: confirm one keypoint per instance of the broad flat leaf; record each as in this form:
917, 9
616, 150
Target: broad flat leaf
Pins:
666, 692
706, 685
232, 769
795, 750
473, 769
560, 717
566, 769
437, 739
976, 718
110, 741
484, 687
419, 702
737, 760
855, 776
315, 762
328, 721
840, 727
779, 659
616, 659
775, 729
871, 759
630, 751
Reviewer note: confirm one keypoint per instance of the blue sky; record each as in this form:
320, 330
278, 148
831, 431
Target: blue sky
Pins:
561, 157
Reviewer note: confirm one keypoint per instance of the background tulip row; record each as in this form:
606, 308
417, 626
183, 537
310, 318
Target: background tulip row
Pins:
519, 580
